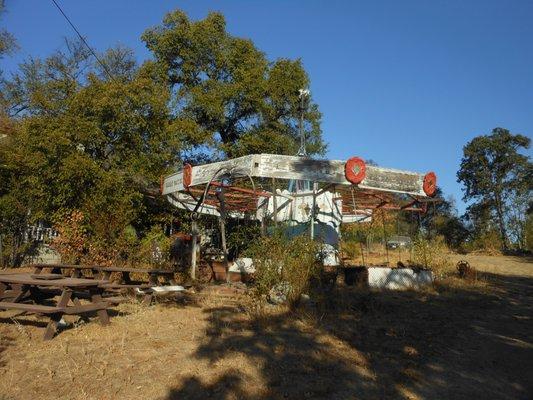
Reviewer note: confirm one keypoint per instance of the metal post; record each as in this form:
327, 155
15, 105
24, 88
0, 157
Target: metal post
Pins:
301, 128
274, 202
194, 228
223, 236
385, 235
222, 223
263, 211
304, 96
312, 230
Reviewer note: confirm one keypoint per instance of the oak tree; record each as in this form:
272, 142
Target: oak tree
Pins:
494, 172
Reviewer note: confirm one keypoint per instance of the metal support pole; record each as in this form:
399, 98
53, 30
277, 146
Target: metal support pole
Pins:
222, 223
385, 235
194, 228
312, 230
223, 237
262, 210
274, 202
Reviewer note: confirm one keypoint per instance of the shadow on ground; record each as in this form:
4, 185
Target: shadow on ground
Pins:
5, 342
459, 341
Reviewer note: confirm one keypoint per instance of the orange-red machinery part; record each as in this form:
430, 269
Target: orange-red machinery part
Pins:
187, 175
355, 170
430, 184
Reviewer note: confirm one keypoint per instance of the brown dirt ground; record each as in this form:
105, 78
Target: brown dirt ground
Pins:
454, 341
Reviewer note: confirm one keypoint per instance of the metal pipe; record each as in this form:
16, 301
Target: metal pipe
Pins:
315, 186
274, 202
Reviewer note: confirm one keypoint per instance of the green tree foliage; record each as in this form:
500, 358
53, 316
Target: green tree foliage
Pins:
7, 41
84, 142
85, 145
495, 176
442, 220
239, 101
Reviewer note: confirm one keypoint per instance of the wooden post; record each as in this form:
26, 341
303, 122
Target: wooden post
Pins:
194, 247
263, 226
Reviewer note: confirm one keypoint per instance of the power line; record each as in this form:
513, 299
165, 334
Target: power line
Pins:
106, 70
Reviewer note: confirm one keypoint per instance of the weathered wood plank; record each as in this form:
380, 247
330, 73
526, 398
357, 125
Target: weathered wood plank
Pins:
293, 167
32, 308
202, 174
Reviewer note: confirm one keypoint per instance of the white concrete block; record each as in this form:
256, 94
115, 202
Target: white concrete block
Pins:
398, 278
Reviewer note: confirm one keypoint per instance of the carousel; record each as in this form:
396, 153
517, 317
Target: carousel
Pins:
300, 194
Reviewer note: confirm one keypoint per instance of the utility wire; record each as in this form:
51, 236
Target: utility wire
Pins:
106, 70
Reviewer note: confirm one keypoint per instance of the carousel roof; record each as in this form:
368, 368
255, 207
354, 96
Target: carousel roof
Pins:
243, 184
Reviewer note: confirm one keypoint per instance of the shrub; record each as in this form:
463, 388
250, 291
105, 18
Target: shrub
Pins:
154, 248
77, 244
488, 242
287, 262
72, 241
432, 254
241, 236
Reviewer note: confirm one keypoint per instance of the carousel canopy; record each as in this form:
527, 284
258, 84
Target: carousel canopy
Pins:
246, 184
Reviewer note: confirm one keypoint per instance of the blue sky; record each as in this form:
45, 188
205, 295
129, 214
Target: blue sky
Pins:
405, 83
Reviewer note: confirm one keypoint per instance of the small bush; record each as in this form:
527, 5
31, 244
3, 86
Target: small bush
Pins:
154, 247
351, 249
432, 254
288, 262
488, 242
72, 242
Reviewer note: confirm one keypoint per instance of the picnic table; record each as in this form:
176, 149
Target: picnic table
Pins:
72, 270
114, 279
125, 277
104, 273
17, 289
124, 281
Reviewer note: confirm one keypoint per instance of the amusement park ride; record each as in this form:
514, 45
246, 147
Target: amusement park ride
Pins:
302, 193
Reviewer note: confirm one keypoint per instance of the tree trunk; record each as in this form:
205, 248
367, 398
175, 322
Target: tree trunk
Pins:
501, 221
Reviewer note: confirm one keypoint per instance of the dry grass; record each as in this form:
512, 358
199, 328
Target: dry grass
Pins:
457, 340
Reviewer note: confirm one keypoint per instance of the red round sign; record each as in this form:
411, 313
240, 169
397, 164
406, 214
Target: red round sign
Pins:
430, 184
187, 175
355, 170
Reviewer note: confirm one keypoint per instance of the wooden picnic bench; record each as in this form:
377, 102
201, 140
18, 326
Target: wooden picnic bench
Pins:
124, 280
72, 270
17, 289
114, 279
104, 273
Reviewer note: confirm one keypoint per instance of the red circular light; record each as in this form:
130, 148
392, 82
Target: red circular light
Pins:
355, 170
430, 184
187, 175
